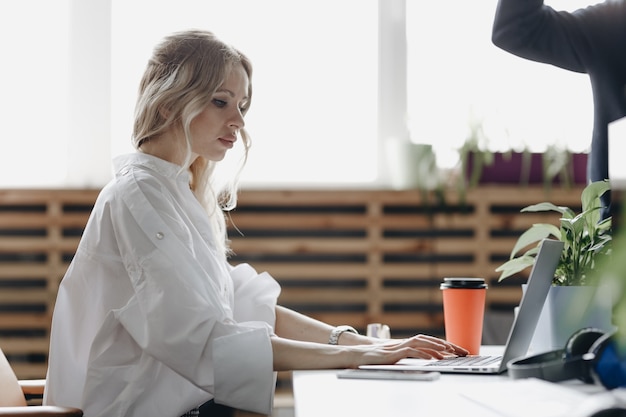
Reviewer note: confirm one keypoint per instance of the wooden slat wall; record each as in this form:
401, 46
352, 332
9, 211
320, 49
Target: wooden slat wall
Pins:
360, 257
39, 232
343, 256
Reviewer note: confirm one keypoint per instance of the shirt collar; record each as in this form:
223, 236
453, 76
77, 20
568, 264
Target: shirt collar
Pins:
161, 166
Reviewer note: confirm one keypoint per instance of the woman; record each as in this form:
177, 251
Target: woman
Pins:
150, 318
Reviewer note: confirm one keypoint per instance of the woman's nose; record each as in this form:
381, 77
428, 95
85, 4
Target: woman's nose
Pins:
238, 120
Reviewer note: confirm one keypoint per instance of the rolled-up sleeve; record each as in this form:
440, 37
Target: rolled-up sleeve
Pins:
256, 295
244, 376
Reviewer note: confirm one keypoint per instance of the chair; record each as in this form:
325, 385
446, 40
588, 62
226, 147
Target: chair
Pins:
13, 396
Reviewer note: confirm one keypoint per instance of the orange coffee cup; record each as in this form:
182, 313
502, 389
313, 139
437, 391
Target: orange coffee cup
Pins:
463, 311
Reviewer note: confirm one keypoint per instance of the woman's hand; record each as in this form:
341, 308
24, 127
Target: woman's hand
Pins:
291, 354
428, 347
392, 350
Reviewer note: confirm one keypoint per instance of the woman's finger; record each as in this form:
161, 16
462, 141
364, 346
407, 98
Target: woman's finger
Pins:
435, 344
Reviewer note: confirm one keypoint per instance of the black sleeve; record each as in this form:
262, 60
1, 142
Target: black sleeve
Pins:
534, 31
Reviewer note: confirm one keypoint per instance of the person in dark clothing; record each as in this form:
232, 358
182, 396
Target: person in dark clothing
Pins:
590, 40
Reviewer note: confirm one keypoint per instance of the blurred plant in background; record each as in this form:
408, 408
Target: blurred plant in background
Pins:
610, 278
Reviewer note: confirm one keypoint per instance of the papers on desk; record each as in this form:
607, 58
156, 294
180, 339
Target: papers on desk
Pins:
539, 398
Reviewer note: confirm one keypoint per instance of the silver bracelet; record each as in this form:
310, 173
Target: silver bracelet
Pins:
337, 331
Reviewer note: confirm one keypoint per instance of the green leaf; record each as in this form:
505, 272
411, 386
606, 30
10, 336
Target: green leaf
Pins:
590, 197
515, 266
536, 233
576, 225
546, 206
600, 244
604, 225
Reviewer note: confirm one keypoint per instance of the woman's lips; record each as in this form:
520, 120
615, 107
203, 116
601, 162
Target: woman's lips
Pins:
229, 143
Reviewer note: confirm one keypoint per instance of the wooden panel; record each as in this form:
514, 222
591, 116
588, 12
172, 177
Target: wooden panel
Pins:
342, 256
39, 232
386, 251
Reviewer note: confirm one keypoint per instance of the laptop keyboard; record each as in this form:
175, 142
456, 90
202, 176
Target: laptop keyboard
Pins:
466, 361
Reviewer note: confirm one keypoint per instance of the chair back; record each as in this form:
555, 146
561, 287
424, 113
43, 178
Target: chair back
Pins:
11, 394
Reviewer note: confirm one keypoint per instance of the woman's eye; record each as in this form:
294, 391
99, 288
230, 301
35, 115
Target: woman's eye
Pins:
219, 103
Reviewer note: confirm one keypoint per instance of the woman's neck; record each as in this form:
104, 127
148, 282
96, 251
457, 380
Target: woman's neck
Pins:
167, 146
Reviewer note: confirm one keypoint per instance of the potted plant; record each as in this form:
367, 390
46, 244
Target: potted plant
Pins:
553, 166
480, 165
586, 240
474, 154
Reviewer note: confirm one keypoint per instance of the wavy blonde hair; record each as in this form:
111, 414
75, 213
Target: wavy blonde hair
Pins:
182, 75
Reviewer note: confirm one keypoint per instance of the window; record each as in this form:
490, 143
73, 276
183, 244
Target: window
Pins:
313, 117
318, 80
456, 76
35, 85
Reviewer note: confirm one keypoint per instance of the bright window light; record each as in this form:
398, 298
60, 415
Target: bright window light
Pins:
314, 121
456, 76
313, 118
34, 73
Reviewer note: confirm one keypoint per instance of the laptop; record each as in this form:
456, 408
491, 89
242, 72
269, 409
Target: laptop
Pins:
521, 332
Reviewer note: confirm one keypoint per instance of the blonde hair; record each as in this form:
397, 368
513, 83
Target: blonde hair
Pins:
182, 75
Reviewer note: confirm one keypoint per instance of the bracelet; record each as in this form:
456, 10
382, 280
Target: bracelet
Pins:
337, 331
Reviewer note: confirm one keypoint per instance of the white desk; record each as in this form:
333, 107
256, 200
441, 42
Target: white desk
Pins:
321, 393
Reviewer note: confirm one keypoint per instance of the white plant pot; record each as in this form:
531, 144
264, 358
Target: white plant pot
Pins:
411, 165
568, 309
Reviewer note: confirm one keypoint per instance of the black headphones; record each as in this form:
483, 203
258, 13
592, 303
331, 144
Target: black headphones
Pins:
590, 355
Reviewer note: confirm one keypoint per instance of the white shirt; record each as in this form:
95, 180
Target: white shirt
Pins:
150, 320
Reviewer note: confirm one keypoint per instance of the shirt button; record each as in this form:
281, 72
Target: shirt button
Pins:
160, 235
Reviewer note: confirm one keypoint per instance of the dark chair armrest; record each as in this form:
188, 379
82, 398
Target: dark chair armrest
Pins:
44, 411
